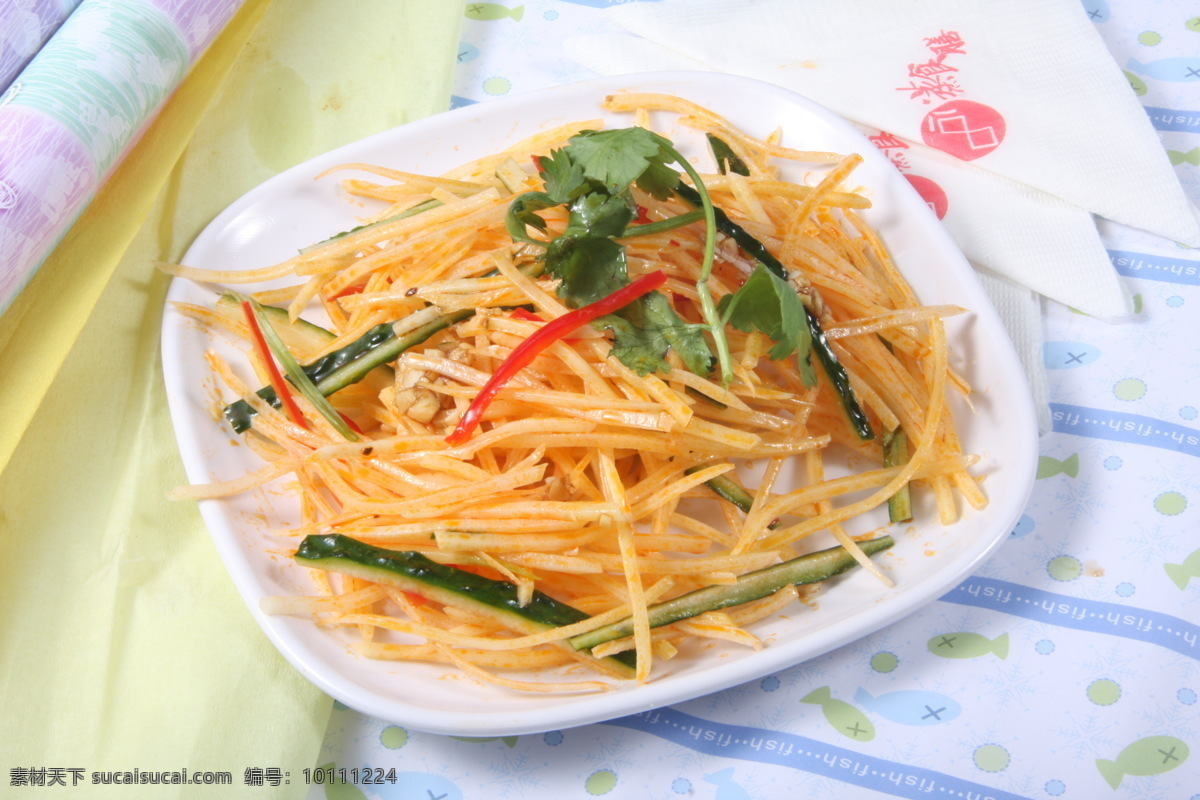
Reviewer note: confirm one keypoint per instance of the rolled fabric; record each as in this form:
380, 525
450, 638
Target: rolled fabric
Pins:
26, 25
74, 111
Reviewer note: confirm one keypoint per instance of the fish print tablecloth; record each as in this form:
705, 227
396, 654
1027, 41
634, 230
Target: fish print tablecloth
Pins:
1067, 667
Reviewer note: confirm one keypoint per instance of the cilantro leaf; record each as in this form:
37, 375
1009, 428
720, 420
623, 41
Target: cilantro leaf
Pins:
658, 181
638, 347
591, 267
767, 303
621, 157
562, 175
585, 257
521, 214
644, 330
601, 215
684, 338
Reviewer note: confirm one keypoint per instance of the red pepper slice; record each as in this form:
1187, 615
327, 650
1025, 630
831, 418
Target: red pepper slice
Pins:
525, 314
350, 423
524, 353
528, 316
277, 382
414, 598
349, 290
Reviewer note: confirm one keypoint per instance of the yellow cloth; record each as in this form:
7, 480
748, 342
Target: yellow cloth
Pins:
125, 646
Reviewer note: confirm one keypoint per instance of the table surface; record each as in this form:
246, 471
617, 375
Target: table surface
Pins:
1082, 631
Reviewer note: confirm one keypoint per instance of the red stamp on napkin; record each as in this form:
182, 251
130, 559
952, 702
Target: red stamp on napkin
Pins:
965, 129
934, 78
933, 195
893, 147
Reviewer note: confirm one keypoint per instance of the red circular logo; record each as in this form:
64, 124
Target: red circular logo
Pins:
933, 195
964, 129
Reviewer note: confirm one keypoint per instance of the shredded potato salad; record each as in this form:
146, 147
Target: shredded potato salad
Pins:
579, 406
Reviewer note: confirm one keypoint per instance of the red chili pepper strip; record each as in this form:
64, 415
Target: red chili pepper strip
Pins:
349, 290
350, 423
277, 381
524, 353
525, 314
528, 316
414, 598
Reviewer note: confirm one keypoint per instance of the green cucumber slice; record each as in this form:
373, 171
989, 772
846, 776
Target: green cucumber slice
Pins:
414, 572
811, 568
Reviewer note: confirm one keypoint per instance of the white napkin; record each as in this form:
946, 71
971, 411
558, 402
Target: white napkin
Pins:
1034, 125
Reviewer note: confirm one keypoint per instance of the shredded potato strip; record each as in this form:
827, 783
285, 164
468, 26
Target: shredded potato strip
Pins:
614, 489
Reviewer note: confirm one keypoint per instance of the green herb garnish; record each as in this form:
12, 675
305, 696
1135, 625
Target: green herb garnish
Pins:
593, 176
769, 304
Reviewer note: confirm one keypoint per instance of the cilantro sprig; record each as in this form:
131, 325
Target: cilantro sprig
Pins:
593, 176
767, 303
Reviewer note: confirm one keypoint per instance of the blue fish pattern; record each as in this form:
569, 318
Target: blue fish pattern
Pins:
1068, 355
467, 52
727, 787
1024, 527
1097, 10
910, 706
1179, 68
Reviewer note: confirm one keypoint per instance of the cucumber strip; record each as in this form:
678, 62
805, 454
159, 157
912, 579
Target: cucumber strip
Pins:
811, 568
387, 350
349, 364
829, 362
699, 395
727, 160
840, 380
895, 453
729, 490
414, 572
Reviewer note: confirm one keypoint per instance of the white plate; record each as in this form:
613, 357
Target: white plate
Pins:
292, 210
